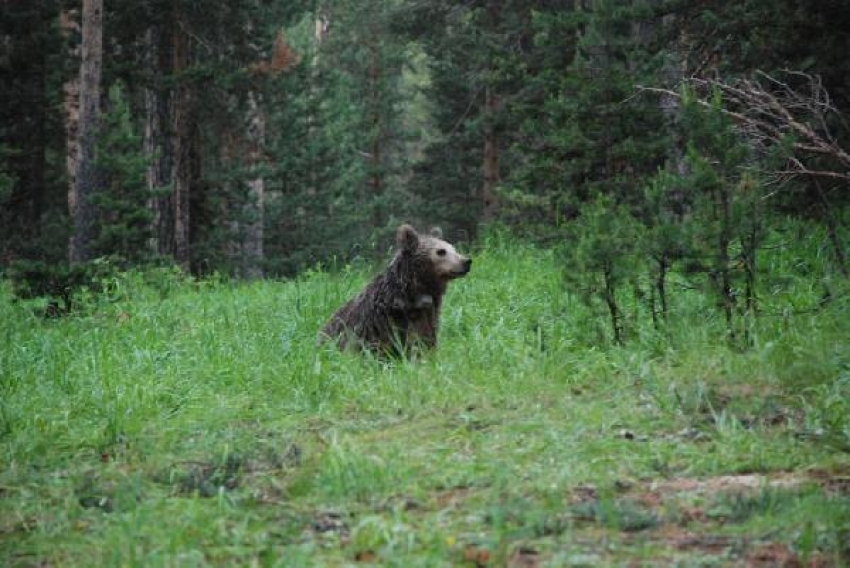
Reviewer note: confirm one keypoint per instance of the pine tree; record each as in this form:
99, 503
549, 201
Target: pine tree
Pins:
123, 228
724, 196
601, 256
591, 134
479, 58
29, 73
667, 216
317, 185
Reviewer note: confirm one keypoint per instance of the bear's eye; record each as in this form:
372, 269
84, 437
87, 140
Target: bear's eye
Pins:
441, 252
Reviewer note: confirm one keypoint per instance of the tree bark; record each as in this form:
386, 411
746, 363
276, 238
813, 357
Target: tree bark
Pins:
376, 146
158, 140
724, 238
613, 308
87, 183
70, 25
490, 167
673, 72
661, 284
252, 252
182, 145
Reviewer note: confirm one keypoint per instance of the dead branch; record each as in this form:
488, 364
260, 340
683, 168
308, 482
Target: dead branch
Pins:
769, 111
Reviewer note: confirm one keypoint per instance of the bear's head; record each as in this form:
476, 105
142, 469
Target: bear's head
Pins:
431, 252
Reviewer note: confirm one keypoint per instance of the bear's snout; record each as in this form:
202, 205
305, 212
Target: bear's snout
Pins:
466, 266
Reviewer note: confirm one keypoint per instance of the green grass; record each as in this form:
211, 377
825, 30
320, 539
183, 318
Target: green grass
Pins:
176, 423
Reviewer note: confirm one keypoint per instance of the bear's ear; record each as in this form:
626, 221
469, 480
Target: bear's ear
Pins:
407, 238
437, 232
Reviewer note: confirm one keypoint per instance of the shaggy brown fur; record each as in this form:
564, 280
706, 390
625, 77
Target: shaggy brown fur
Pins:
401, 306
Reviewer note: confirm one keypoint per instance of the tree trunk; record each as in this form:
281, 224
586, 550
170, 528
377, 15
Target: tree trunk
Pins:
832, 230
70, 25
613, 308
158, 140
749, 256
182, 144
661, 284
376, 177
672, 72
87, 183
724, 238
252, 250
490, 201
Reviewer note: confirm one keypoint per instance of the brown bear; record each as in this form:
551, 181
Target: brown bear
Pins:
400, 308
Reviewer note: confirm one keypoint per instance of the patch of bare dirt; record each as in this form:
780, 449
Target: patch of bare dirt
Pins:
778, 555
452, 497
706, 543
689, 530
330, 522
583, 494
833, 482
729, 483
477, 555
746, 552
524, 557
653, 493
367, 556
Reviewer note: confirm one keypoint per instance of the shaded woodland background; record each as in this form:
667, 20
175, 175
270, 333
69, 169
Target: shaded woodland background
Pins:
259, 138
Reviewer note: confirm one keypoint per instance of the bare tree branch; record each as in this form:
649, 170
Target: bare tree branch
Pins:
769, 111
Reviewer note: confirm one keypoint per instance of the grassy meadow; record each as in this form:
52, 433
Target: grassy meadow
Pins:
195, 423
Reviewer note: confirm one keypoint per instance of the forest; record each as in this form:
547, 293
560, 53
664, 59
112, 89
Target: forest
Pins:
647, 365
262, 138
